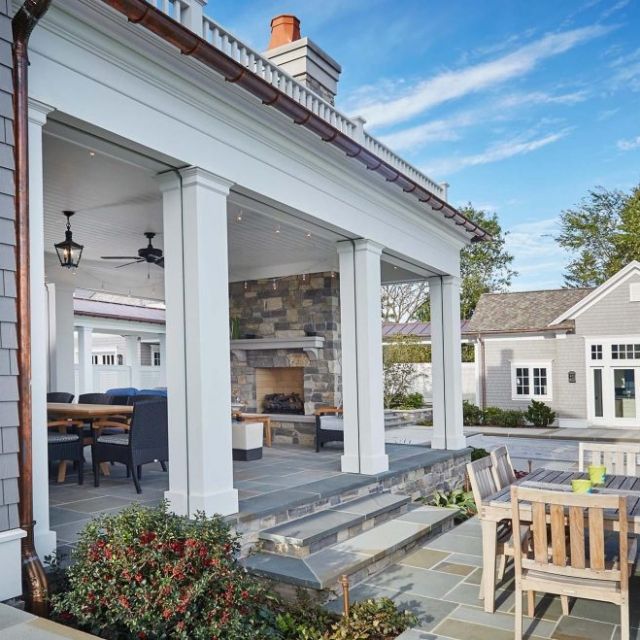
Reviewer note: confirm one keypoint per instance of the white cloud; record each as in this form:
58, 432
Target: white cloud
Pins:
494, 153
628, 145
450, 128
618, 6
450, 85
626, 71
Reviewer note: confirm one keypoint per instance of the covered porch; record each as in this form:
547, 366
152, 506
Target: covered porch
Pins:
277, 232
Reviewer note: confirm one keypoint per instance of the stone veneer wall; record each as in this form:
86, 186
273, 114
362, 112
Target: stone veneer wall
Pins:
293, 305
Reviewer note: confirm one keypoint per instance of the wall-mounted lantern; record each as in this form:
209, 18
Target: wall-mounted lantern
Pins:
572, 377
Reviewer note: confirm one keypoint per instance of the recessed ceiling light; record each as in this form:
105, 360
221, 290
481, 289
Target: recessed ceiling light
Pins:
308, 235
92, 154
277, 229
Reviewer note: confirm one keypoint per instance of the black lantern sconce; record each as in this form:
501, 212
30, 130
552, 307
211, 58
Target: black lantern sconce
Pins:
572, 377
69, 252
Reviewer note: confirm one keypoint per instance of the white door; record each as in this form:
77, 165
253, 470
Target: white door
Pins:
626, 394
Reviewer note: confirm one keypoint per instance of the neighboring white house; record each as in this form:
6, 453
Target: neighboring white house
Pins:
577, 350
158, 122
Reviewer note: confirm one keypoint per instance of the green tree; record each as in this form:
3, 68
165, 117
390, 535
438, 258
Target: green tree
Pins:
484, 266
598, 236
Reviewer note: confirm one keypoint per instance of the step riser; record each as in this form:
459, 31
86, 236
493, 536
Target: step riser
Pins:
296, 551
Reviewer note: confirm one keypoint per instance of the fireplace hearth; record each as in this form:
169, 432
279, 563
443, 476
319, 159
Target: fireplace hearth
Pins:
289, 403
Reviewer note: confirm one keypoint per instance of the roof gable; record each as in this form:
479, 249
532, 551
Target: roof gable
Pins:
597, 294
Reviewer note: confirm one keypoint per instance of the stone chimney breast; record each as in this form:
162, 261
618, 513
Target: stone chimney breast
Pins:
302, 58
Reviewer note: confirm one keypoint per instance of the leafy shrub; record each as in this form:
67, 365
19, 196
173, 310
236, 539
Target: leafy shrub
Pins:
146, 573
425, 422
539, 414
458, 499
503, 417
477, 453
471, 414
372, 620
398, 378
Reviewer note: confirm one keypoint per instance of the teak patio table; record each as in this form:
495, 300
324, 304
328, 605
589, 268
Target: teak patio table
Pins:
70, 411
498, 507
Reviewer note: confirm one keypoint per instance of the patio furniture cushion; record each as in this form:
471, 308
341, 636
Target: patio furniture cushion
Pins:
122, 391
332, 423
161, 392
115, 438
55, 438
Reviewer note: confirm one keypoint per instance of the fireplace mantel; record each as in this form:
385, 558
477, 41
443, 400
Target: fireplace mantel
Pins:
309, 344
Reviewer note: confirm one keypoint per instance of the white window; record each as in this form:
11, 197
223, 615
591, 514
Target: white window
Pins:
531, 380
596, 352
156, 358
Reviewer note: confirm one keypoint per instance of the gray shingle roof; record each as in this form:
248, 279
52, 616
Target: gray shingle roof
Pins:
524, 310
413, 329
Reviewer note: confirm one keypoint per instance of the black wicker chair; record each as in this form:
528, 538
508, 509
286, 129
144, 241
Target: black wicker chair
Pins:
67, 446
329, 426
94, 398
60, 396
146, 441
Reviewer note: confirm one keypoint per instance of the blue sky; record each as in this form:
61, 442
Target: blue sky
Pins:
521, 106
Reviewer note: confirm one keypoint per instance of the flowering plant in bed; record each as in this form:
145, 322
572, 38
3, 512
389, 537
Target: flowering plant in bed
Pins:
147, 574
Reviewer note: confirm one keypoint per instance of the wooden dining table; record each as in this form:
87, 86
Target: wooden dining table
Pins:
62, 412
498, 507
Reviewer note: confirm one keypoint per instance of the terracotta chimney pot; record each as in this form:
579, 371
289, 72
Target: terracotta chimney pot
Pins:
284, 29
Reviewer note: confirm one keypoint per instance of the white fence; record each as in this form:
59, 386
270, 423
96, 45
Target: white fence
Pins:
423, 381
109, 377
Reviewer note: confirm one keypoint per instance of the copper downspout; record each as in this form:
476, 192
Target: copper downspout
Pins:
191, 44
33, 576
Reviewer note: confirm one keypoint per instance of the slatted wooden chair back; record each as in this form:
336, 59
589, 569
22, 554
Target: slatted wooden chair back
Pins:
483, 483
568, 534
619, 459
502, 468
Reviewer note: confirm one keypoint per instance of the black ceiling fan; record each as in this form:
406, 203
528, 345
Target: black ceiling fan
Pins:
146, 254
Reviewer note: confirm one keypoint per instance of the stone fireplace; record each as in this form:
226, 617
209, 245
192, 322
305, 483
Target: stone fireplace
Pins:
289, 340
279, 383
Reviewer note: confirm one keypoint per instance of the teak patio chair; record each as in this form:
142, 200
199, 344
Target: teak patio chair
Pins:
619, 459
502, 468
483, 485
568, 555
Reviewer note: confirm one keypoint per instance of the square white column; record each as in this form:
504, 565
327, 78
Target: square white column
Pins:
45, 538
197, 343
133, 359
61, 337
362, 373
446, 363
85, 363
162, 378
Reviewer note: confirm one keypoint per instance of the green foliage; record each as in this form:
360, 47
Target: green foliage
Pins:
458, 499
406, 349
468, 352
407, 401
147, 573
234, 328
539, 414
372, 620
477, 453
494, 416
471, 414
602, 232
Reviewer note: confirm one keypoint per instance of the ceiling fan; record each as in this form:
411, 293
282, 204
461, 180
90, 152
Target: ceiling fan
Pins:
149, 254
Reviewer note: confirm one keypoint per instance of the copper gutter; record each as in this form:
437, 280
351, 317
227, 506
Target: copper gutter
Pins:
33, 576
190, 44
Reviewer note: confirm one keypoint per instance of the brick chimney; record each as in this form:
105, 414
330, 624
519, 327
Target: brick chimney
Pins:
302, 58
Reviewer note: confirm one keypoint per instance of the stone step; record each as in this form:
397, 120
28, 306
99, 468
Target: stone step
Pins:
306, 535
358, 558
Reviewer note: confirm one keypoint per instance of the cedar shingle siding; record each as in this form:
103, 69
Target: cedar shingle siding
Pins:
8, 335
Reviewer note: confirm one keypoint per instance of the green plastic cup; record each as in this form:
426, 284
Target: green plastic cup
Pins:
596, 474
581, 486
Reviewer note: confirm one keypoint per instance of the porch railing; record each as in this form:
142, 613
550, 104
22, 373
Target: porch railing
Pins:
189, 13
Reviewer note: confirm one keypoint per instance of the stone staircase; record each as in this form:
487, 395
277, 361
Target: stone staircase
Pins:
356, 538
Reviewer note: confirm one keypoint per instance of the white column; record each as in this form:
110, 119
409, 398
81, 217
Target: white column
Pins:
446, 363
162, 378
45, 539
133, 359
61, 337
192, 16
85, 363
362, 377
197, 324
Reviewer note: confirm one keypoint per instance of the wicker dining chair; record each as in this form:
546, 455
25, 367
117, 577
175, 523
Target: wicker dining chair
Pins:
60, 396
66, 446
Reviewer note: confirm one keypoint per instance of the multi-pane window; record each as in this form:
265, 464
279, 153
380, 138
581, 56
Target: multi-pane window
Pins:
539, 381
156, 358
596, 352
531, 381
624, 351
522, 381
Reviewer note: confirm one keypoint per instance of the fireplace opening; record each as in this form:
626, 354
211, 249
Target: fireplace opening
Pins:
280, 390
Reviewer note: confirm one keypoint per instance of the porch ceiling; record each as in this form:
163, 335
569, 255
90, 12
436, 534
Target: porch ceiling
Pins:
118, 200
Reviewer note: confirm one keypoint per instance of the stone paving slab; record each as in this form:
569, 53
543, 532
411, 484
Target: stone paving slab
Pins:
18, 625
